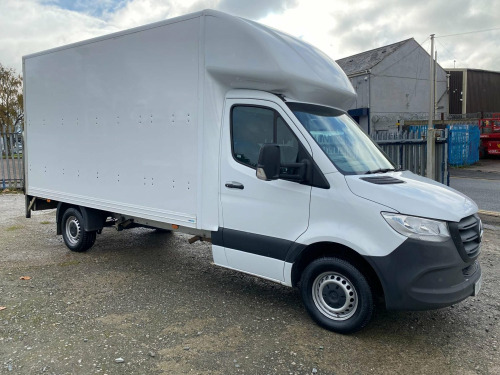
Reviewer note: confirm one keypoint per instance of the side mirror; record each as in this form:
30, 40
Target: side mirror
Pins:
268, 167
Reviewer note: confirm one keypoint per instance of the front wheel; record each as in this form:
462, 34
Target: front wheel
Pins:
75, 236
337, 295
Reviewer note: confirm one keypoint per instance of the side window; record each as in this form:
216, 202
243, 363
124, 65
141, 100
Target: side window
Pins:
251, 127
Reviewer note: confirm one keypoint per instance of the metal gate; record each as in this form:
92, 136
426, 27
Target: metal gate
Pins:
11, 161
408, 150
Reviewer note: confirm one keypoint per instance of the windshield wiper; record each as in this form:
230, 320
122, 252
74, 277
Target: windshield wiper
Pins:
380, 170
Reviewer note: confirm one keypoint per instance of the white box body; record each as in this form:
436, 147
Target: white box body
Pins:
130, 122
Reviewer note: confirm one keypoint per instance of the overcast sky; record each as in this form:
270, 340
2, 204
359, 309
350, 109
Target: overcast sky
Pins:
338, 27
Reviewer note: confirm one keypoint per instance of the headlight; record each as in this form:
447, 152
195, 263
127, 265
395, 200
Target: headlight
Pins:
417, 227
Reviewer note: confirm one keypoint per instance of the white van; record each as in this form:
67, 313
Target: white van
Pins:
221, 127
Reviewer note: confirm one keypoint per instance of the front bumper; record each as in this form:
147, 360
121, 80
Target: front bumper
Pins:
422, 275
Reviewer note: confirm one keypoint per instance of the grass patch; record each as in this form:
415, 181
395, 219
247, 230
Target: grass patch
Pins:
10, 191
45, 222
13, 156
14, 227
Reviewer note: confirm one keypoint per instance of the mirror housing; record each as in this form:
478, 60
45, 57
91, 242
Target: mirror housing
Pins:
268, 166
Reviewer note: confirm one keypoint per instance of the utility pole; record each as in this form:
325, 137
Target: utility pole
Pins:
431, 139
434, 80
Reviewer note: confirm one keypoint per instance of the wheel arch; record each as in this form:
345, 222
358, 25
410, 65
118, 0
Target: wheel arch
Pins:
93, 219
61, 208
332, 249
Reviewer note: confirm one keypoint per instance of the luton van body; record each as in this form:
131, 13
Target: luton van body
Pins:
236, 133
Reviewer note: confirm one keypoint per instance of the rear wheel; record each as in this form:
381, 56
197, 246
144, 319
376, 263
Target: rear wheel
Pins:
74, 235
337, 295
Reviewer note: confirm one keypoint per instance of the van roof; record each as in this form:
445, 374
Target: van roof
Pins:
239, 53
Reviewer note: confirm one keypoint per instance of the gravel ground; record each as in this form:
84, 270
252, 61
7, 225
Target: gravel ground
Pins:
158, 304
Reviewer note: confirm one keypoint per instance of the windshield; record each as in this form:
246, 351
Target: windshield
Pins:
345, 144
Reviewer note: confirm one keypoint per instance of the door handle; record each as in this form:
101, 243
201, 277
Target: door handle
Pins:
234, 185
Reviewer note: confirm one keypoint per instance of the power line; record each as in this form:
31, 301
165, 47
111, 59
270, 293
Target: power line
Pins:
468, 32
447, 50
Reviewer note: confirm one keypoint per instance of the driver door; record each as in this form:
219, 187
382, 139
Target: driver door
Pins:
260, 219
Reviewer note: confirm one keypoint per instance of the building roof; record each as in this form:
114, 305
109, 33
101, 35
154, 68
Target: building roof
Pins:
471, 69
366, 60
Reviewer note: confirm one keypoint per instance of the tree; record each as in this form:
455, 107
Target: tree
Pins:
11, 100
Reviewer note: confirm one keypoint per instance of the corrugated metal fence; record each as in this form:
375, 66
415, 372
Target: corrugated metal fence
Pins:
408, 150
11, 161
463, 142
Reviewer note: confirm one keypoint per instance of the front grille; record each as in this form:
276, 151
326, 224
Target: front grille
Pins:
469, 232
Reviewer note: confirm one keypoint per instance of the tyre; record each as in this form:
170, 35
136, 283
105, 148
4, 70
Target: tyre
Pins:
75, 237
337, 295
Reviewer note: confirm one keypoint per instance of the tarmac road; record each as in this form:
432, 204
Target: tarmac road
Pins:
159, 304
485, 192
481, 182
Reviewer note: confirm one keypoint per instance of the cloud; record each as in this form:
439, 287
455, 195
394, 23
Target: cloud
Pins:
96, 8
344, 27
255, 9
28, 26
139, 12
358, 28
